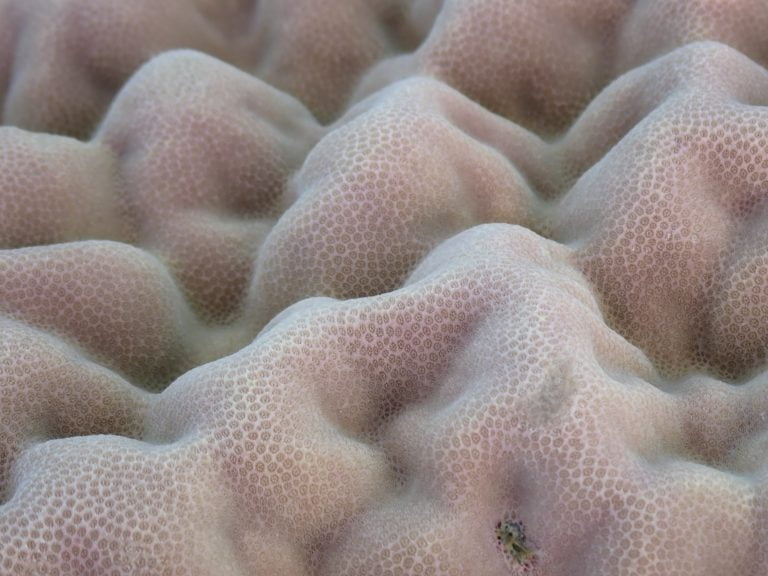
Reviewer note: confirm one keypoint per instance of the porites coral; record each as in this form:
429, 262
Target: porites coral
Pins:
382, 288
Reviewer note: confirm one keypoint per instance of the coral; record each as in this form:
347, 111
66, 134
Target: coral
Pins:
383, 287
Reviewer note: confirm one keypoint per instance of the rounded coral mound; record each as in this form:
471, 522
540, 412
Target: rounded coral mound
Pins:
383, 287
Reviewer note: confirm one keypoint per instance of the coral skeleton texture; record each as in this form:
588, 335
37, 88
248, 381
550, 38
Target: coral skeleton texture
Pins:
384, 287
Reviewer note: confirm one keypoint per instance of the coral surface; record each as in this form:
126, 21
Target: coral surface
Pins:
383, 287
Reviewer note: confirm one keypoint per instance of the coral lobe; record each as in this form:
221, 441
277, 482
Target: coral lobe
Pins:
383, 287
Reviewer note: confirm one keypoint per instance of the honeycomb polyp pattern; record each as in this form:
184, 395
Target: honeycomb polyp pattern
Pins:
393, 288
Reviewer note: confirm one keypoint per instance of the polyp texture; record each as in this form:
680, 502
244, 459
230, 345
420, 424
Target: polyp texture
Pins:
383, 287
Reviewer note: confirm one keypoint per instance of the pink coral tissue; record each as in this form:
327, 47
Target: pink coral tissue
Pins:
383, 287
